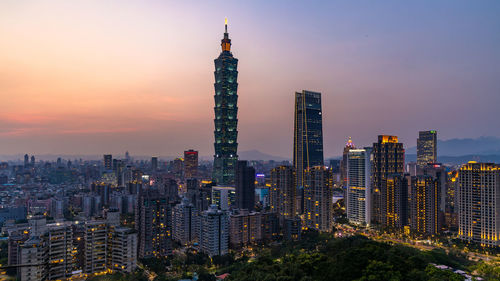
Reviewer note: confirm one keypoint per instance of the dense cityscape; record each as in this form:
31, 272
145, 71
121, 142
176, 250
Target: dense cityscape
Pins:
370, 215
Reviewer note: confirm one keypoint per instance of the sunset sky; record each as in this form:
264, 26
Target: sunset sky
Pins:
99, 76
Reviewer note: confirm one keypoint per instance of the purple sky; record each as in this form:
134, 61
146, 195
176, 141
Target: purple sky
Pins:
93, 77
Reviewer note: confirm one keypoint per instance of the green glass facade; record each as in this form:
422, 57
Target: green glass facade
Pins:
226, 115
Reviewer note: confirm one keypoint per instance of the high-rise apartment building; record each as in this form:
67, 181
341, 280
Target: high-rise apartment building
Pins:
214, 232
283, 192
153, 222
122, 249
318, 192
424, 205
226, 114
34, 253
308, 137
358, 178
479, 203
190, 164
245, 186
426, 148
185, 222
95, 252
244, 228
388, 159
61, 252
395, 206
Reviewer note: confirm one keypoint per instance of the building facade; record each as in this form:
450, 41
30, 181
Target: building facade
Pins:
318, 193
358, 176
426, 148
479, 203
388, 159
425, 200
245, 186
283, 192
190, 164
214, 232
185, 222
308, 137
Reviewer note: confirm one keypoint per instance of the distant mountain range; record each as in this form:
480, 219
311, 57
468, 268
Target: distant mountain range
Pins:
458, 147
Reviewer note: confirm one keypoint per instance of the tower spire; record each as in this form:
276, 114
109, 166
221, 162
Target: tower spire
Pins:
226, 42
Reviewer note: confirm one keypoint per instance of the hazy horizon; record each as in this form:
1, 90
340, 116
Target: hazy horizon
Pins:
95, 77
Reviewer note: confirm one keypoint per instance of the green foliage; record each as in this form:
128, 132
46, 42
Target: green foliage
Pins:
320, 257
487, 271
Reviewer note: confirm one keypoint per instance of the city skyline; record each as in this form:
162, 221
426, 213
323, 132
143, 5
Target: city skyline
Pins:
95, 83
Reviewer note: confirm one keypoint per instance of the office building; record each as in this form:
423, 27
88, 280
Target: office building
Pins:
358, 175
318, 193
283, 192
426, 148
425, 200
224, 197
190, 164
308, 137
226, 114
245, 186
214, 232
154, 164
479, 203
388, 158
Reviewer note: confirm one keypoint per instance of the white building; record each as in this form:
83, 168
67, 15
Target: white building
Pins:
358, 201
214, 232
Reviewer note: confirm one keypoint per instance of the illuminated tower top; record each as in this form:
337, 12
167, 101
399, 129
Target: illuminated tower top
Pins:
226, 42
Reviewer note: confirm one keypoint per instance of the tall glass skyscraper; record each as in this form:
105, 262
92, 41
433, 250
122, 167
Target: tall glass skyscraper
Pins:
308, 137
226, 111
426, 148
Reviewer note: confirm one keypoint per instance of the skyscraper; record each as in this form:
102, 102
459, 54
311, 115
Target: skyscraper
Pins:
343, 165
424, 205
226, 111
185, 222
154, 163
426, 148
388, 158
479, 203
190, 164
358, 178
395, 201
308, 136
245, 186
318, 192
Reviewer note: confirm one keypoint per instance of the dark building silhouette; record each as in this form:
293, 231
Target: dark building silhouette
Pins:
154, 164
108, 162
308, 137
424, 205
245, 186
226, 111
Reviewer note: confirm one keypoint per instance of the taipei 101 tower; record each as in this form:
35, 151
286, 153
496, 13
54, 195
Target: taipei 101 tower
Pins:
226, 114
